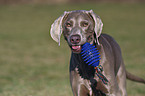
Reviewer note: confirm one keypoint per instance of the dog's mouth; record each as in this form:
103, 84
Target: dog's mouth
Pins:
76, 48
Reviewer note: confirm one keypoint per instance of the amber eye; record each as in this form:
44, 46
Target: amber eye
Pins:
68, 24
84, 24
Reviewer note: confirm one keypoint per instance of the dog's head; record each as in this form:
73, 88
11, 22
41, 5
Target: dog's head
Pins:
78, 27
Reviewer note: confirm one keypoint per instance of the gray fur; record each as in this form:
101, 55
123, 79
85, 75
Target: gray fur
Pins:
79, 27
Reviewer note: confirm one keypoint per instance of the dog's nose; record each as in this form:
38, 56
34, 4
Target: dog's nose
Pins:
75, 39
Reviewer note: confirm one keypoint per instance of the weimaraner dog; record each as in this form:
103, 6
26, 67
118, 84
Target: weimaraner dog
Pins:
79, 27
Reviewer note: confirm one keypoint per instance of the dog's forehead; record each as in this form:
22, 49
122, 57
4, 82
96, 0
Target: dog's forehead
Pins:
77, 15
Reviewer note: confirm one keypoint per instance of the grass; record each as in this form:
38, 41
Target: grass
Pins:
32, 64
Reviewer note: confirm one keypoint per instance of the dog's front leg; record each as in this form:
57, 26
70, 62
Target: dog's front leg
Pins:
80, 87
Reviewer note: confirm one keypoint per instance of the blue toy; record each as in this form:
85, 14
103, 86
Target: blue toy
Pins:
91, 56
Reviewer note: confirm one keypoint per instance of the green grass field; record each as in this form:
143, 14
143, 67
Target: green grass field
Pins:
32, 64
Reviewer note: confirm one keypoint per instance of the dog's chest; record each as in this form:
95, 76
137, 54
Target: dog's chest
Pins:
92, 84
85, 71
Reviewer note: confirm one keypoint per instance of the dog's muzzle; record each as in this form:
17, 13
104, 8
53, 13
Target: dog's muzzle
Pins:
75, 40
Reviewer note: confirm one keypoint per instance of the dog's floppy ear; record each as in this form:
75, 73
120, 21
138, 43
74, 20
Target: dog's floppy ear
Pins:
98, 24
56, 28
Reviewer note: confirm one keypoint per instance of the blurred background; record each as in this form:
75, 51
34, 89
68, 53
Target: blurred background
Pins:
62, 1
32, 64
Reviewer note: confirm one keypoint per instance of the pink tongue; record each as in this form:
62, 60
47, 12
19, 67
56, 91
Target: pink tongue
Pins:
75, 47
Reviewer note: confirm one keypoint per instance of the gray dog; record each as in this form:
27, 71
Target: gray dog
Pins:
79, 27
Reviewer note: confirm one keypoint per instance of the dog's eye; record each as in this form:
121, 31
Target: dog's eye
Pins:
84, 24
68, 25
